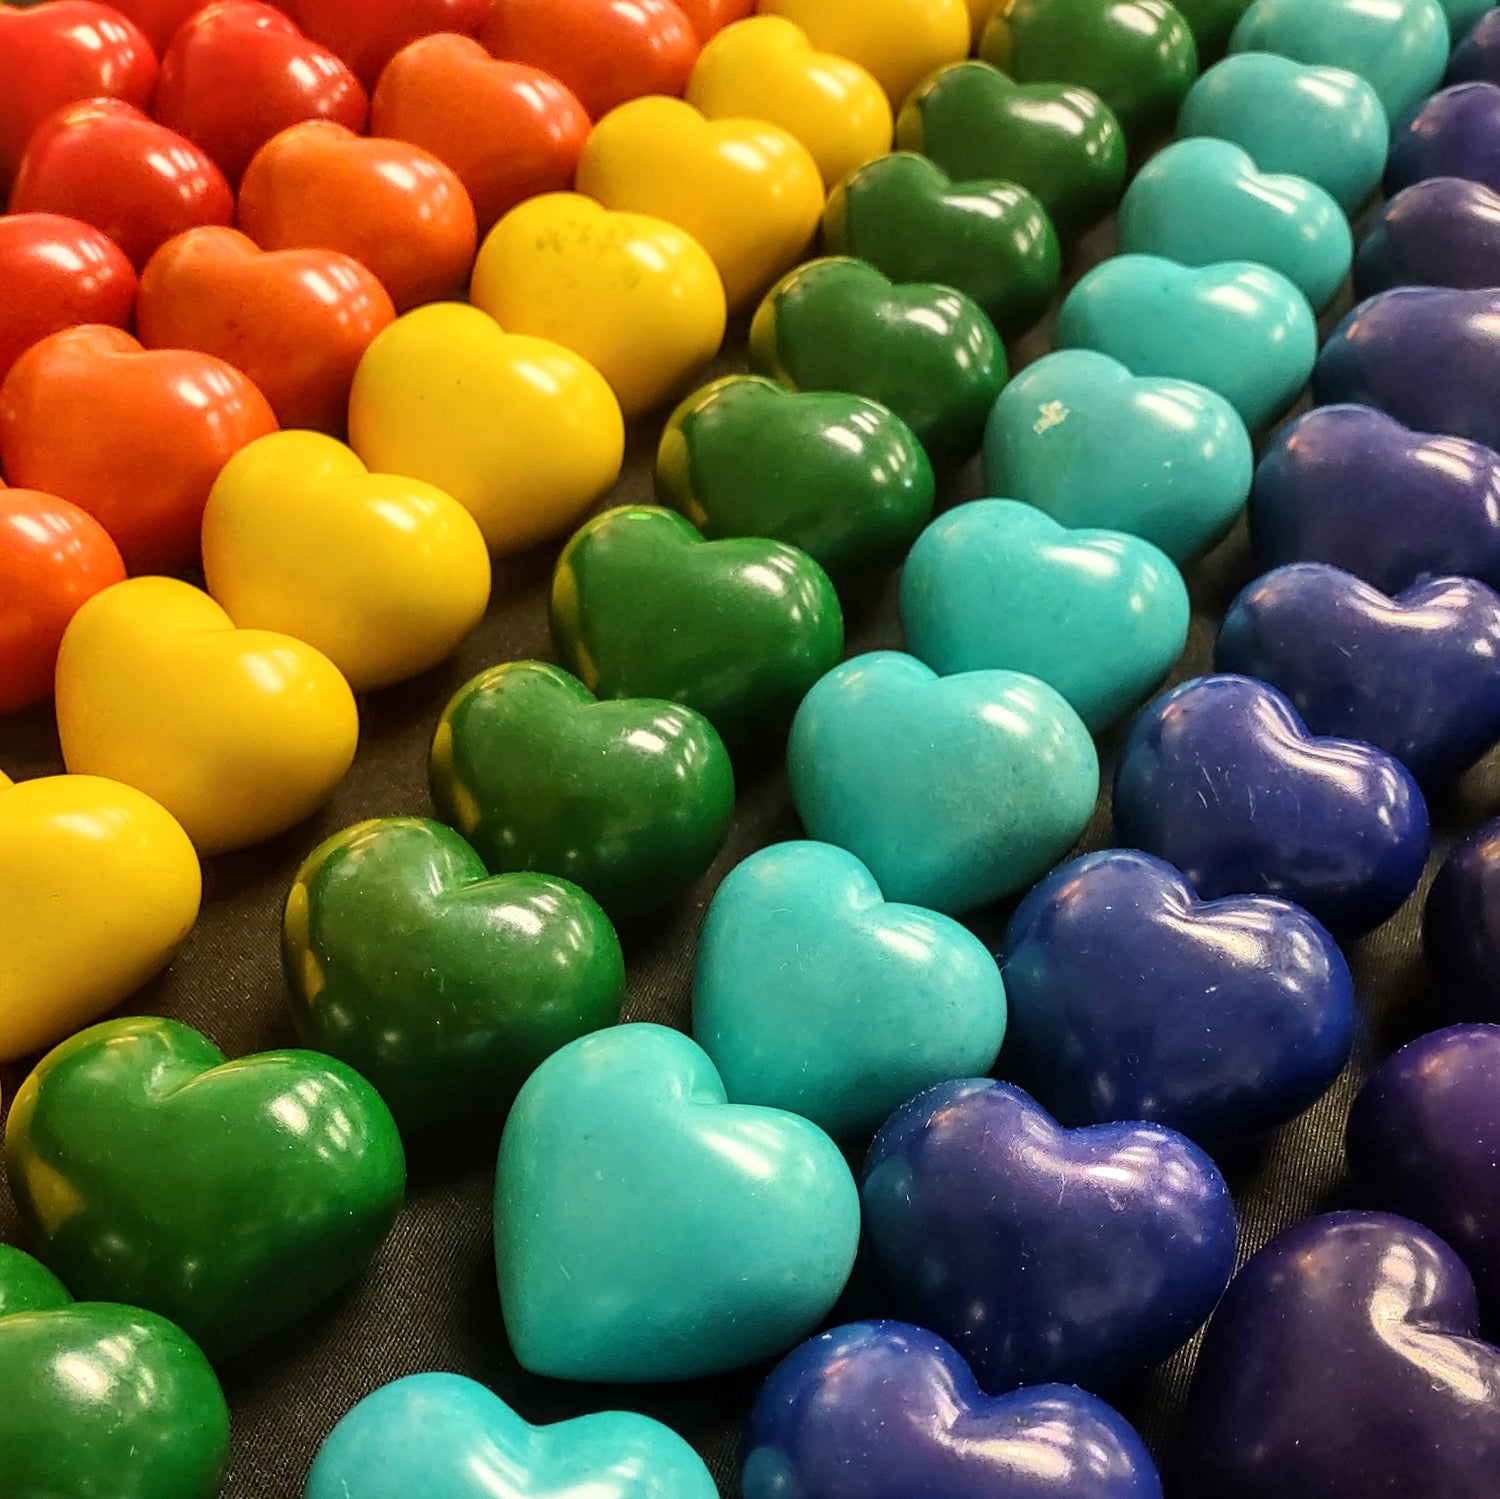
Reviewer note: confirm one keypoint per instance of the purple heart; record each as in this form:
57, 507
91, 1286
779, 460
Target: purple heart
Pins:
881, 1410
1444, 231
1044, 1253
1343, 1363
1456, 133
1461, 926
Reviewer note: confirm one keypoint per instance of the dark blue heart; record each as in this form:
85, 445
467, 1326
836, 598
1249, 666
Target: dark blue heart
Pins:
1444, 231
1131, 999
1044, 1253
1220, 778
881, 1410
1456, 133
1461, 926
1476, 59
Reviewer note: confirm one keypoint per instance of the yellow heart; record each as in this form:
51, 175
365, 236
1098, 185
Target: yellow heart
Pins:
239, 734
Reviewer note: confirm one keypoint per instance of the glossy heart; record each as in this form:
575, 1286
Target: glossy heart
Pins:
954, 791
883, 1410
814, 994
630, 800
1237, 328
1461, 925
739, 629
447, 1437
232, 1197
1454, 134
926, 351
1045, 1254
1444, 231
621, 1135
101, 1399
839, 476
1345, 1358
1132, 999
1202, 201
1221, 778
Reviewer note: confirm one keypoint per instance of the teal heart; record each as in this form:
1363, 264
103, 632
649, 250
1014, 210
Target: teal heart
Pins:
997, 585
1202, 201
647, 1229
1077, 435
1325, 124
1239, 329
441, 1436
815, 994
954, 791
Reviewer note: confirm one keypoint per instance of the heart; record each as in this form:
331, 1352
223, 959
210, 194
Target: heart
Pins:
1454, 134
441, 987
1240, 329
413, 576
1077, 435
1132, 999
101, 1399
1414, 675
1443, 231
1325, 124
1201, 201
814, 994
1349, 486
1221, 778
1045, 1254
1061, 143
630, 800
624, 1133
231, 1197
926, 351
883, 1410
954, 791
998, 585
447, 1437
239, 734
738, 629
1461, 924
1344, 1359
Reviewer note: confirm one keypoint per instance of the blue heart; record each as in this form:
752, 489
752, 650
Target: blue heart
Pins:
1456, 133
814, 994
440, 1436
1439, 232
1132, 999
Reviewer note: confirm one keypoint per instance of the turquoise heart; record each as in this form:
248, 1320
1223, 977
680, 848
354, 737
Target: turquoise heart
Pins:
955, 791
998, 585
815, 994
1077, 435
1202, 201
647, 1229
1242, 330
442, 1436
1325, 124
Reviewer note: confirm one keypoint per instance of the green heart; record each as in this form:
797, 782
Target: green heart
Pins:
442, 987
925, 351
643, 606
836, 475
1213, 23
1061, 143
231, 1197
992, 240
101, 1401
629, 800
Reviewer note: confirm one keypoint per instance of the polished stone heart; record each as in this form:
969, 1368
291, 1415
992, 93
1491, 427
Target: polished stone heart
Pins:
231, 1197
839, 476
101, 1399
1475, 59
1045, 1254
441, 987
1240, 329
1443, 231
998, 585
647, 1229
1077, 435
629, 800
1417, 675
738, 630
442, 1436
1220, 778
1345, 1361
1202, 201
954, 791
814, 994
1461, 926
884, 1410
1133, 999
1455, 134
